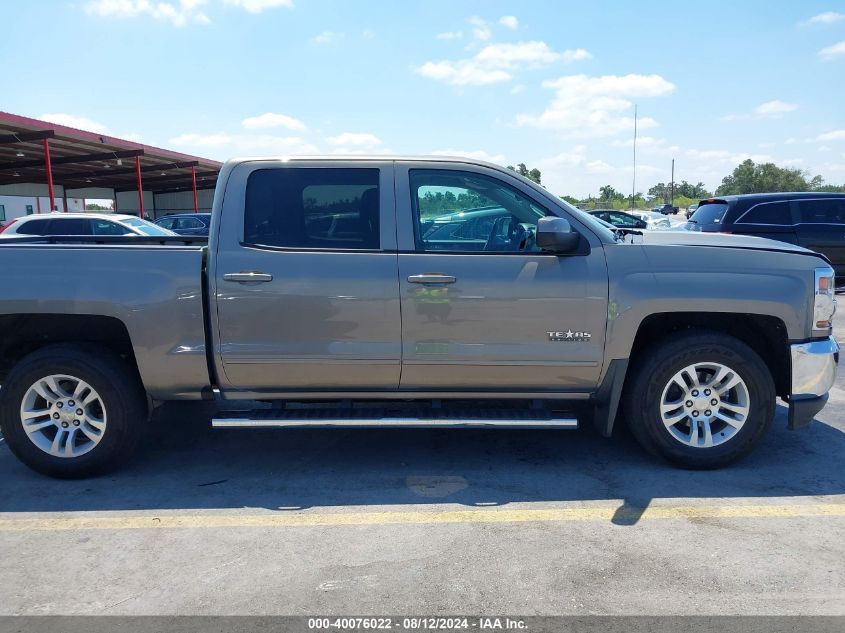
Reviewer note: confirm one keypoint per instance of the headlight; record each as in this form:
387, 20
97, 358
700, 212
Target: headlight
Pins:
824, 303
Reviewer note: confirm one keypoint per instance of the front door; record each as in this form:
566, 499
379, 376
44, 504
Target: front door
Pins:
822, 229
305, 278
483, 309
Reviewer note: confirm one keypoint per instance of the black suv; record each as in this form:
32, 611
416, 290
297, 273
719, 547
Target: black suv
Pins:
814, 220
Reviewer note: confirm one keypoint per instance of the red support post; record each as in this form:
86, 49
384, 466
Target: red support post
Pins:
194, 188
140, 187
49, 174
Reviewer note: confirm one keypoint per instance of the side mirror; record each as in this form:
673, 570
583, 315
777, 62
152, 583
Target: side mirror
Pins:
641, 224
556, 235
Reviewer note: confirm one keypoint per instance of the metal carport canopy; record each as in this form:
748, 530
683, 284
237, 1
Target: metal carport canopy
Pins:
39, 151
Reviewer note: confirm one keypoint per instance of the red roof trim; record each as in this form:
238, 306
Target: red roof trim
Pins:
92, 137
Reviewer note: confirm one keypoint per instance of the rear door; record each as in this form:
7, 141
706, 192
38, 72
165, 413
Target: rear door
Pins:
305, 277
822, 229
772, 220
486, 310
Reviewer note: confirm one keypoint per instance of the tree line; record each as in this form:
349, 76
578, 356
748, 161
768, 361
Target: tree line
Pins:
747, 177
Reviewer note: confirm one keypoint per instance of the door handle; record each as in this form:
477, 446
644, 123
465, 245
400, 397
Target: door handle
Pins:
432, 278
247, 277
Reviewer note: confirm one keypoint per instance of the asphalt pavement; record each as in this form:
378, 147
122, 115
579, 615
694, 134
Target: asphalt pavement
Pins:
429, 522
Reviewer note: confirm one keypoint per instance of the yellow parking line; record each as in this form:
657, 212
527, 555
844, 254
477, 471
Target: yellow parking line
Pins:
306, 519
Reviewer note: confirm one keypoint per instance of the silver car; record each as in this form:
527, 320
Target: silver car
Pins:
66, 224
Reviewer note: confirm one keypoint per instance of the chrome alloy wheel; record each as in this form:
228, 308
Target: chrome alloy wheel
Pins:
63, 416
705, 405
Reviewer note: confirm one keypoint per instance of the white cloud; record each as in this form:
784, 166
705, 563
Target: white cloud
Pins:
586, 106
835, 135
354, 139
78, 122
828, 17
509, 21
480, 28
368, 34
327, 37
518, 88
832, 52
273, 119
450, 35
770, 109
257, 6
222, 145
823, 148
132, 136
177, 13
478, 154
775, 108
496, 63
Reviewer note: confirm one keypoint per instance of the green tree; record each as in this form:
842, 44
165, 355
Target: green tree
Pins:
749, 177
532, 174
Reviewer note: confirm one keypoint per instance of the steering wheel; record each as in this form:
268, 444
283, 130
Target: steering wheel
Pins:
516, 235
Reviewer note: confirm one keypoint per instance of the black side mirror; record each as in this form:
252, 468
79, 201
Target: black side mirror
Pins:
641, 224
556, 235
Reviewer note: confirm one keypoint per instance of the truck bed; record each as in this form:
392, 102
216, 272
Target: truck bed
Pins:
152, 286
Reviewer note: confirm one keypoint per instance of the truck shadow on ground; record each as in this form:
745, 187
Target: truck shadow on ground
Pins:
184, 465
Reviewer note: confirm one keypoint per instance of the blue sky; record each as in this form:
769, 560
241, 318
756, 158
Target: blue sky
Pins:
551, 84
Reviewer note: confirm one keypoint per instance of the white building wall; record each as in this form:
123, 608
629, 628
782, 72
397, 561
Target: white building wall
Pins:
127, 202
183, 202
22, 198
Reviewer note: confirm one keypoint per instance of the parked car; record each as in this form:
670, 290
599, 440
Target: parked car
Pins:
66, 224
658, 221
620, 219
186, 223
665, 209
690, 210
323, 284
814, 220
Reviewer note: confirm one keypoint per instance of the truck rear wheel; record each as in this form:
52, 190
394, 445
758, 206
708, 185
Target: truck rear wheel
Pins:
700, 400
72, 411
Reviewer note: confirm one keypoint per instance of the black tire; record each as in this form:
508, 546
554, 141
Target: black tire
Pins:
114, 380
652, 372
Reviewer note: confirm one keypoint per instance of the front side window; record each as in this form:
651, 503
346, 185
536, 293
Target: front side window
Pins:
623, 219
313, 208
166, 223
2, 213
105, 227
767, 213
462, 212
828, 211
188, 223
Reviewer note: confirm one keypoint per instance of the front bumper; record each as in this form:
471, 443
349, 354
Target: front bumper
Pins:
813, 374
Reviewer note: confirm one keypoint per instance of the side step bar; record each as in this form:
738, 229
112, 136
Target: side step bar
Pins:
363, 418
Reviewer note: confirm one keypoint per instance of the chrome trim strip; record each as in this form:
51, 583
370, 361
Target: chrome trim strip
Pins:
411, 423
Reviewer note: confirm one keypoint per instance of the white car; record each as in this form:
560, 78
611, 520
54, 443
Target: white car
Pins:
657, 221
63, 224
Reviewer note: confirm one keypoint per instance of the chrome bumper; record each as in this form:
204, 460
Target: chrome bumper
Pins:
813, 374
813, 368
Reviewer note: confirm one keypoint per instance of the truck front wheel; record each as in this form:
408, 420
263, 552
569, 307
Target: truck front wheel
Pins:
700, 399
72, 411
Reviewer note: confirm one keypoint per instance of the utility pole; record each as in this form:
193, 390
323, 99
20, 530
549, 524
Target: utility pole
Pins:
634, 184
672, 185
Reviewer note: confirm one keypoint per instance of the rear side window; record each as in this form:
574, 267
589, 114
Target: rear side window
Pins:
322, 208
710, 213
830, 211
767, 213
70, 226
33, 227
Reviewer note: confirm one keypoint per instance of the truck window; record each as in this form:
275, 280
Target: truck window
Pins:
465, 212
767, 213
824, 211
323, 208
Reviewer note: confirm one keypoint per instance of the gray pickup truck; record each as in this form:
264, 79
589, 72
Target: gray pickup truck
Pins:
411, 292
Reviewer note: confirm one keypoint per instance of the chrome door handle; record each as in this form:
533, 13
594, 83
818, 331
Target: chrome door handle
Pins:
247, 277
432, 278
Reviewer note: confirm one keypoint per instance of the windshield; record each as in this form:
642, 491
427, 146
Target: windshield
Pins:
710, 213
147, 228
